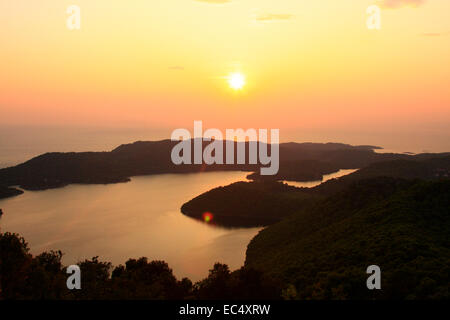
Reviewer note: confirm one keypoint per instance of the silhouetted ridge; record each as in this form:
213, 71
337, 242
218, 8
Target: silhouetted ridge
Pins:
298, 162
6, 192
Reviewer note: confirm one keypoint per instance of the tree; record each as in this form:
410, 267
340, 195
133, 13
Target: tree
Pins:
14, 263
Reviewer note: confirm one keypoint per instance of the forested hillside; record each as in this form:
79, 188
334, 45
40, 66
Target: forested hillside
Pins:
401, 226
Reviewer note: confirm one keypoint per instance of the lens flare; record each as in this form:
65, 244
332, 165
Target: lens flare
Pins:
208, 217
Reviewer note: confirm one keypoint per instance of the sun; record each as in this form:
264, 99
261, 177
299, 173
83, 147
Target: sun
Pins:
236, 80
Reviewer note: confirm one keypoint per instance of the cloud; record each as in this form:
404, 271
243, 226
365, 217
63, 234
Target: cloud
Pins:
435, 34
273, 17
394, 4
214, 1
431, 34
179, 68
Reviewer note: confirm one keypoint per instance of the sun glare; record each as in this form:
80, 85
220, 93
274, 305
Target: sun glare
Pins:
236, 81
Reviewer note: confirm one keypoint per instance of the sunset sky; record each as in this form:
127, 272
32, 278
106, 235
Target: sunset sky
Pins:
311, 67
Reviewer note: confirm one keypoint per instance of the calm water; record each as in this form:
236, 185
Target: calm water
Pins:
19, 144
129, 220
326, 177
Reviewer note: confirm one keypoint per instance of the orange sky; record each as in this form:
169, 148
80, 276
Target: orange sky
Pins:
309, 65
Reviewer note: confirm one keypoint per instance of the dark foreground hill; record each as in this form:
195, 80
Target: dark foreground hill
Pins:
298, 162
43, 277
323, 253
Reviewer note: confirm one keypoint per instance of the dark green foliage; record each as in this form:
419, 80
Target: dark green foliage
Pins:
419, 167
23, 276
148, 280
402, 226
95, 280
14, 263
245, 283
245, 204
44, 277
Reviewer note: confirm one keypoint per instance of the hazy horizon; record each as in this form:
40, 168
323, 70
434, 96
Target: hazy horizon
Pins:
21, 143
311, 69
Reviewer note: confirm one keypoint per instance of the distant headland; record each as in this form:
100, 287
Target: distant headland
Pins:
298, 162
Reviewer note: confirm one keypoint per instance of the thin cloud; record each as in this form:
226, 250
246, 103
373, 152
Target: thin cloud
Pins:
431, 34
179, 68
273, 17
214, 1
394, 4
435, 34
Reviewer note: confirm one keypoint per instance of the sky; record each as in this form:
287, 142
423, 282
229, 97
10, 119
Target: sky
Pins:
312, 68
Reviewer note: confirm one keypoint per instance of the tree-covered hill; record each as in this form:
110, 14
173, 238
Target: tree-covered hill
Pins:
264, 202
247, 204
401, 226
419, 167
298, 162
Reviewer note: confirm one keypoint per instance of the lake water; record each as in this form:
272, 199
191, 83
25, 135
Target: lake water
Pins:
129, 220
326, 177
